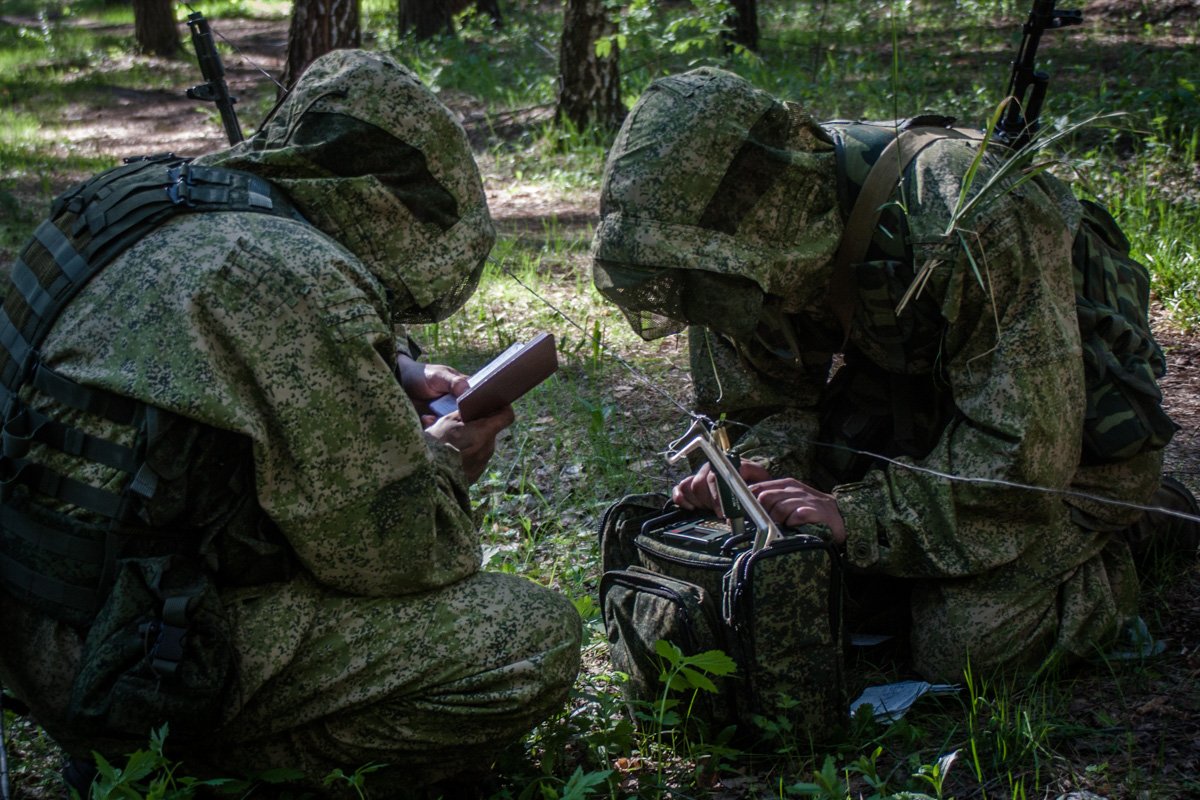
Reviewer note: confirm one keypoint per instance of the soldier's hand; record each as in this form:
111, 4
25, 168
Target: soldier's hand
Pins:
790, 502
474, 440
700, 491
425, 382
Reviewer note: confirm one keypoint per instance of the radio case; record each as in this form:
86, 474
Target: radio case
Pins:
776, 611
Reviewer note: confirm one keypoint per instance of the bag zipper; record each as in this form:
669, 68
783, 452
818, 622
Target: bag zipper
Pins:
651, 582
680, 560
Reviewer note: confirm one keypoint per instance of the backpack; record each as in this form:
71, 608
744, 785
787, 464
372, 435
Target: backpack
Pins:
158, 645
1121, 359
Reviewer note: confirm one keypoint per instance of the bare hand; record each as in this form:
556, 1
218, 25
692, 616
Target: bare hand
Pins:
474, 440
700, 491
790, 503
424, 382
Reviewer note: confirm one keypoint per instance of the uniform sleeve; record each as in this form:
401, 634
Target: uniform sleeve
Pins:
1012, 358
406, 345
264, 327
369, 503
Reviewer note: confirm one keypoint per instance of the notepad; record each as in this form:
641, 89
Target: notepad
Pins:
506, 377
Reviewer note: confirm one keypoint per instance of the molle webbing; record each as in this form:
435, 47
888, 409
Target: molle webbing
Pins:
90, 225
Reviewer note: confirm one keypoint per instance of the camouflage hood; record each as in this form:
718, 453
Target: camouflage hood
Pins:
373, 159
717, 199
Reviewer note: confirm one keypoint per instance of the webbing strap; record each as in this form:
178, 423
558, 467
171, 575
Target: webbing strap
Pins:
22, 580
28, 426
168, 649
52, 540
864, 216
73, 265
39, 299
113, 407
144, 210
101, 185
73, 271
18, 349
51, 483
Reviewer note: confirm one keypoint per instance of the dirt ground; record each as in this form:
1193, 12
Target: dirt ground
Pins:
1158, 721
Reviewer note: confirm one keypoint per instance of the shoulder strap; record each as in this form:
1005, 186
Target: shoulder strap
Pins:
878, 186
90, 226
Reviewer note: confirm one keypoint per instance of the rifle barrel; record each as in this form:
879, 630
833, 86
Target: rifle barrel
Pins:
1027, 86
215, 89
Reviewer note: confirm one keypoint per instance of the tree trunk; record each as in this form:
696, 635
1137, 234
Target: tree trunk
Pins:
743, 24
154, 27
319, 26
589, 85
492, 9
426, 18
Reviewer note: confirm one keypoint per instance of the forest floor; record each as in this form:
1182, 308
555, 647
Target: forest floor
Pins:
1149, 727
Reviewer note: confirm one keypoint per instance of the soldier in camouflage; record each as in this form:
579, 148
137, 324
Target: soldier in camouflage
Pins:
334, 514
721, 209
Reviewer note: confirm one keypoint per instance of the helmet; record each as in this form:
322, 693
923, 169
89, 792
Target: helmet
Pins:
372, 158
717, 199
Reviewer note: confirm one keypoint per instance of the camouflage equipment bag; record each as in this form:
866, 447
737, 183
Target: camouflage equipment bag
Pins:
775, 611
1121, 361
160, 649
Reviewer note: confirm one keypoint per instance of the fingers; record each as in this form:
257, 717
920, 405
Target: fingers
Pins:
753, 473
694, 492
786, 500
429, 381
681, 494
441, 380
475, 441
792, 503
702, 491
493, 423
789, 502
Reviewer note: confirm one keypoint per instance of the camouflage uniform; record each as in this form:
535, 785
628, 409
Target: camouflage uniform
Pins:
364, 629
720, 209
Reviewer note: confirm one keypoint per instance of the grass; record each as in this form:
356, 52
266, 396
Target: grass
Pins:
597, 430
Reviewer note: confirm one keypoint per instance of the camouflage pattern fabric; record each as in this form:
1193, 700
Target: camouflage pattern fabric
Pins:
370, 156
389, 644
776, 612
698, 200
1001, 576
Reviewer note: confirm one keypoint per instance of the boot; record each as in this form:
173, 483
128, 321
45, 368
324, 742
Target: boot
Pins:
1163, 543
78, 775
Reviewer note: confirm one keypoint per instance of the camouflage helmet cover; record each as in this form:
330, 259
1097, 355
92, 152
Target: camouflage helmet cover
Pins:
372, 158
716, 198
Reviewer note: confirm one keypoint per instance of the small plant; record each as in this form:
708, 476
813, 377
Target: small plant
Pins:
935, 774
688, 676
355, 780
682, 673
827, 783
147, 773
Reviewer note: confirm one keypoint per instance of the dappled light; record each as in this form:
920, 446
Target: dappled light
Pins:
75, 100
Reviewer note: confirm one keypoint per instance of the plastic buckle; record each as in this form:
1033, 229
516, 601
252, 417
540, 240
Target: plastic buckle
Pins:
167, 650
180, 188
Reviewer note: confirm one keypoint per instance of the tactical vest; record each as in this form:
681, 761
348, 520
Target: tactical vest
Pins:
61, 564
123, 560
873, 268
